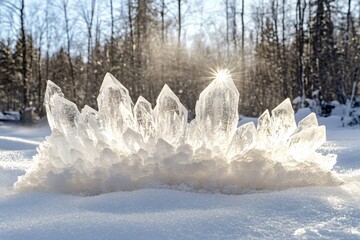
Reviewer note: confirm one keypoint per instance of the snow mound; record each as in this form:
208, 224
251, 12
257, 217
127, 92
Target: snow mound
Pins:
125, 146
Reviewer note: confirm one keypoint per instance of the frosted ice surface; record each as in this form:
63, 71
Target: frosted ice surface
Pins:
163, 148
171, 117
143, 115
245, 138
217, 110
133, 140
115, 106
306, 142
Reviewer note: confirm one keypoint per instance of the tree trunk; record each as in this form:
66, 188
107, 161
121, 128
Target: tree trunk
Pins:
89, 19
162, 14
234, 25
227, 28
112, 50
40, 97
179, 28
242, 32
300, 48
67, 29
25, 102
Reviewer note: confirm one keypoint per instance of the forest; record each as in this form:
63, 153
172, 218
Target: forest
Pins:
301, 49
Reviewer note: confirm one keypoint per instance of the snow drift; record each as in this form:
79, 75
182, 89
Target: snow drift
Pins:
123, 146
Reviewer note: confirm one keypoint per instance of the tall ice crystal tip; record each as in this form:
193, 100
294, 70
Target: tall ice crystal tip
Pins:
217, 111
51, 90
170, 117
308, 122
109, 81
166, 90
125, 146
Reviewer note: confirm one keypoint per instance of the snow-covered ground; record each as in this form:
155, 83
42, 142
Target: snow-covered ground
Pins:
311, 212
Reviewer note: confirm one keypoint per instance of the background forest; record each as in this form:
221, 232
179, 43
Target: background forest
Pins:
275, 49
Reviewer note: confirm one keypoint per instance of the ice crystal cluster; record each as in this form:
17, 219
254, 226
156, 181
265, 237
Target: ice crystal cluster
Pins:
123, 146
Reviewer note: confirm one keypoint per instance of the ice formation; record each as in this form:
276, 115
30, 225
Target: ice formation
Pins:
123, 146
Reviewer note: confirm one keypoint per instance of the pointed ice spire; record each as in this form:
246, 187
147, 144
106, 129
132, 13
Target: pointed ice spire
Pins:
171, 116
51, 90
90, 117
91, 122
306, 142
308, 122
144, 118
65, 113
264, 129
115, 105
217, 109
283, 121
194, 135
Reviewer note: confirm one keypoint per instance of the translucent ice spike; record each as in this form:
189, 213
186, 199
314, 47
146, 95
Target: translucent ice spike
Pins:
115, 106
65, 114
264, 129
90, 120
308, 122
144, 118
52, 90
302, 144
283, 121
217, 109
171, 117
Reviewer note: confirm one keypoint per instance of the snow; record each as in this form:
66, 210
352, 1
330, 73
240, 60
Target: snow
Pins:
297, 100
9, 116
315, 93
131, 172
326, 212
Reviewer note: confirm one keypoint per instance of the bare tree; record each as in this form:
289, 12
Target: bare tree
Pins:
234, 24
88, 17
300, 41
112, 50
162, 14
68, 53
24, 55
40, 32
227, 28
179, 22
242, 31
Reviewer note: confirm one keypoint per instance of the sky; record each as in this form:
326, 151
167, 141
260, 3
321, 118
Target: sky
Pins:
209, 12
201, 18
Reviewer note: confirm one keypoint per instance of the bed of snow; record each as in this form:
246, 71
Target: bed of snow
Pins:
311, 212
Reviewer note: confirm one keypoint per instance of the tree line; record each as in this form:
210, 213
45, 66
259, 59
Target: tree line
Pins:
275, 49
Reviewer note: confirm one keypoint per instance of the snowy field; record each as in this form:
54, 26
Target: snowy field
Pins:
308, 212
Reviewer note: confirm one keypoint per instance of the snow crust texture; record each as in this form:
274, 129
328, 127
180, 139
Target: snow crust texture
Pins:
123, 146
